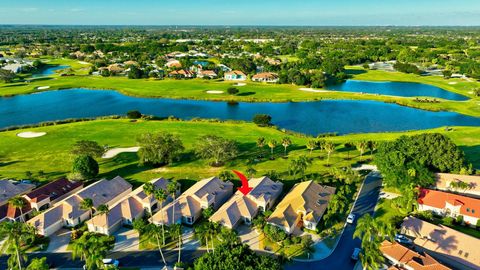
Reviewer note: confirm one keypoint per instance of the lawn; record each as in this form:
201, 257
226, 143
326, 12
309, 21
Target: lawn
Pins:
251, 92
50, 153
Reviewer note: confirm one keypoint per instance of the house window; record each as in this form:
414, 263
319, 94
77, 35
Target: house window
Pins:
468, 209
473, 211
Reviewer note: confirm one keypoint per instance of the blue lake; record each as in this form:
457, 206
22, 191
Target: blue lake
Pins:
342, 116
402, 89
49, 70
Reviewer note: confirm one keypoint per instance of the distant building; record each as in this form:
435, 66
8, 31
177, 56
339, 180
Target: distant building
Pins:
181, 74
303, 206
207, 73
173, 63
210, 192
15, 68
268, 77
445, 181
235, 75
448, 204
403, 258
243, 208
453, 248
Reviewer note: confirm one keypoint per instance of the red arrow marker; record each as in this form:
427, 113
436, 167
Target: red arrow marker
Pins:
245, 189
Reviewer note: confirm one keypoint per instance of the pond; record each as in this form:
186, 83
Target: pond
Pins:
342, 116
402, 89
48, 70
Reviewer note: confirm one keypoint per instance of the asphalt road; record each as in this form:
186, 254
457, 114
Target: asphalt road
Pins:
340, 258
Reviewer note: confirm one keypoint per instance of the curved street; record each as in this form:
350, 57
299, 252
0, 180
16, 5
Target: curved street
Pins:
340, 257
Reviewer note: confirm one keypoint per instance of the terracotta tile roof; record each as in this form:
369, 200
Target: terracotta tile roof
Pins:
309, 198
403, 256
13, 212
443, 240
265, 75
54, 190
438, 199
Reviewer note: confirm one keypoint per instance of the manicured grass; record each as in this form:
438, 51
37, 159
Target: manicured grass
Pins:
51, 153
251, 92
387, 213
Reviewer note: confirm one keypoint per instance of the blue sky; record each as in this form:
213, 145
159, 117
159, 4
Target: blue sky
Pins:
243, 12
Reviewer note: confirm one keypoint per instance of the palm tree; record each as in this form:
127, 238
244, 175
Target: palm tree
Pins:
103, 209
148, 188
261, 144
19, 203
311, 145
299, 166
153, 231
87, 205
272, 144
92, 248
15, 234
371, 257
212, 231
176, 234
362, 147
329, 148
160, 195
201, 233
366, 228
172, 190
286, 142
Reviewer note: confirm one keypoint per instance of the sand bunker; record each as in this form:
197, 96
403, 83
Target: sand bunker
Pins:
240, 84
30, 134
83, 63
115, 151
312, 90
452, 83
214, 92
43, 87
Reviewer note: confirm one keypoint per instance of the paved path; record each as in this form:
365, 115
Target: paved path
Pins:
340, 257
59, 241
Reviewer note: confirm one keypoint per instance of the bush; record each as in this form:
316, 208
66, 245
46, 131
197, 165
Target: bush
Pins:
459, 220
478, 224
447, 221
262, 120
232, 90
134, 114
274, 233
407, 68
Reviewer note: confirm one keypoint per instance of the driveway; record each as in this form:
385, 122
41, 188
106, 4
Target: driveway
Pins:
126, 240
249, 236
59, 241
340, 257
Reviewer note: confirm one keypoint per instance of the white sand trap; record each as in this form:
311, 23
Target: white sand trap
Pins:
452, 83
214, 92
312, 90
30, 134
43, 87
240, 84
83, 63
115, 151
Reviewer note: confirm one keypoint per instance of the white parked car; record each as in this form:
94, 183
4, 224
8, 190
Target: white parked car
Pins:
110, 263
351, 218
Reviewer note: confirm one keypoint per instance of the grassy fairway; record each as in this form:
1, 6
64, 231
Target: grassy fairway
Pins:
50, 153
252, 92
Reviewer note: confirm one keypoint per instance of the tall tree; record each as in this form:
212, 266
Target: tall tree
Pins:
15, 235
87, 205
161, 196
19, 203
329, 148
89, 148
299, 166
38, 264
159, 149
286, 142
92, 248
216, 148
272, 144
153, 231
85, 166
260, 144
172, 190
311, 145
362, 147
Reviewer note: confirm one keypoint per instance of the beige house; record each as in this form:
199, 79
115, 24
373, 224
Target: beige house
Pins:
303, 206
452, 247
235, 75
210, 192
268, 77
68, 213
445, 180
243, 208
127, 210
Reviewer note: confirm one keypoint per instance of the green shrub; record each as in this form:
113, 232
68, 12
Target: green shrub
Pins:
459, 219
134, 114
447, 221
